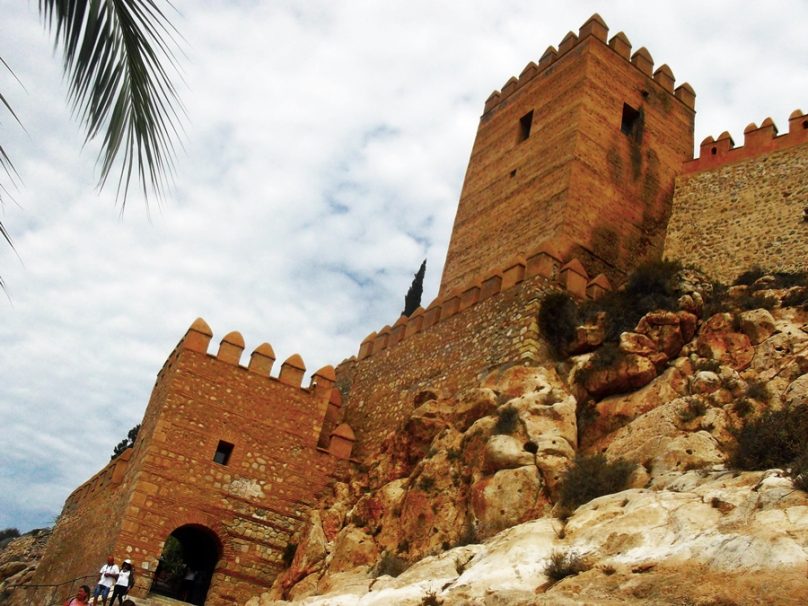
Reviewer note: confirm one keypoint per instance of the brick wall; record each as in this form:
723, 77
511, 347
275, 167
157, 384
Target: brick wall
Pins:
742, 212
249, 507
454, 353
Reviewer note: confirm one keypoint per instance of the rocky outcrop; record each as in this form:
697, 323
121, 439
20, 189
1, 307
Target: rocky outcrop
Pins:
19, 558
461, 497
744, 536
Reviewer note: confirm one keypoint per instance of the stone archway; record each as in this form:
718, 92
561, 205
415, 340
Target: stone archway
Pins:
186, 566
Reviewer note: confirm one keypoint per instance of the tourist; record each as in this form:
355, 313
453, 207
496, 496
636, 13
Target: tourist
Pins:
125, 582
82, 595
109, 573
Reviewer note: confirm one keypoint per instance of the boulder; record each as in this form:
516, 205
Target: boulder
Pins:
729, 348
520, 380
505, 452
627, 373
704, 382
505, 499
757, 324
664, 329
353, 548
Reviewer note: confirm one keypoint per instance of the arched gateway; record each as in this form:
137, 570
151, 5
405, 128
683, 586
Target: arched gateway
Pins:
187, 563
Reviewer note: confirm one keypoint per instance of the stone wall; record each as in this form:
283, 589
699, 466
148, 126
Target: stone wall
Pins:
735, 208
454, 343
576, 180
249, 505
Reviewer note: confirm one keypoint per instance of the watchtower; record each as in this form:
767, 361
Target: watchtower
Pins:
579, 153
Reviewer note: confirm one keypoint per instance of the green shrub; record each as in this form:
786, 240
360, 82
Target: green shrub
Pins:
796, 298
799, 471
431, 599
785, 279
755, 301
693, 410
757, 390
708, 364
564, 564
742, 407
558, 319
593, 476
650, 287
507, 419
390, 565
426, 483
750, 276
716, 301
774, 439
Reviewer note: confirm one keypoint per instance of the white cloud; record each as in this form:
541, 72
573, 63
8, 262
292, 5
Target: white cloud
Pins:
325, 150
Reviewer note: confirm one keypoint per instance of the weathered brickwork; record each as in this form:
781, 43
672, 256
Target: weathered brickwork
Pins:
591, 178
747, 208
250, 506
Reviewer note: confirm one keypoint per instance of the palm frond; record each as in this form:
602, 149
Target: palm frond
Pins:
118, 57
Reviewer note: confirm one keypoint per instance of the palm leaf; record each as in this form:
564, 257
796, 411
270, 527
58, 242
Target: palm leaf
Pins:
118, 55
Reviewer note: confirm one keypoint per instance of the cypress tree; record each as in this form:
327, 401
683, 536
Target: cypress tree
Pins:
413, 299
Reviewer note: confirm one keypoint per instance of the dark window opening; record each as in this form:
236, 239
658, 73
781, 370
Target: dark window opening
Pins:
525, 123
713, 150
631, 121
513, 173
805, 123
223, 452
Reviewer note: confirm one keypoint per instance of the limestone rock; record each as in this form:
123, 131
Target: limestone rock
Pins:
521, 380
729, 348
628, 372
353, 548
507, 498
704, 382
757, 324
797, 392
505, 452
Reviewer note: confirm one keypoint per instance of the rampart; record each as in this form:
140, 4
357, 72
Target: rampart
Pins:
248, 496
737, 207
455, 342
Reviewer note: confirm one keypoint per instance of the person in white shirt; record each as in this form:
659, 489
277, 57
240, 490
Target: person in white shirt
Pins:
126, 579
109, 573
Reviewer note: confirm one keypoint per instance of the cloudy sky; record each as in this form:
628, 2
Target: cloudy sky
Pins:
324, 151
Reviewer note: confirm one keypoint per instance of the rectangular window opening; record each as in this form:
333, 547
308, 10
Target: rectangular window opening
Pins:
525, 123
631, 120
223, 452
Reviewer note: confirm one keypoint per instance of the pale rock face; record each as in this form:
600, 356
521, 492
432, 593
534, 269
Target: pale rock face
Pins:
615, 411
353, 548
757, 324
688, 451
696, 537
508, 497
505, 452
729, 348
542, 416
797, 392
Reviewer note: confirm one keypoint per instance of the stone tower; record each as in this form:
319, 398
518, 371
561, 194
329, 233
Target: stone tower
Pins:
577, 155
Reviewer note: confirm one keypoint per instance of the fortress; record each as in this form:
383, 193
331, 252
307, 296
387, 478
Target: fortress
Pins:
582, 168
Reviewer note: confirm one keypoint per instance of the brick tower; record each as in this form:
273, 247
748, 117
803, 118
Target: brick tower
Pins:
579, 155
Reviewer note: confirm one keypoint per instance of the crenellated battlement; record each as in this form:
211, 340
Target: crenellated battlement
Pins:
758, 140
262, 359
545, 261
595, 27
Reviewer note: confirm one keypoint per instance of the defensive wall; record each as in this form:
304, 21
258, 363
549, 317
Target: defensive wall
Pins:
737, 207
580, 150
245, 498
455, 342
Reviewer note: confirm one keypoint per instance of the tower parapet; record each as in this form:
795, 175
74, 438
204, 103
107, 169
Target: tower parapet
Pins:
758, 140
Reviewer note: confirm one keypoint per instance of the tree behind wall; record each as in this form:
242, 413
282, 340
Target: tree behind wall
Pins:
413, 299
128, 441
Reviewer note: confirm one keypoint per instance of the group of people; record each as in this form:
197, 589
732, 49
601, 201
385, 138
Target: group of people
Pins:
118, 579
